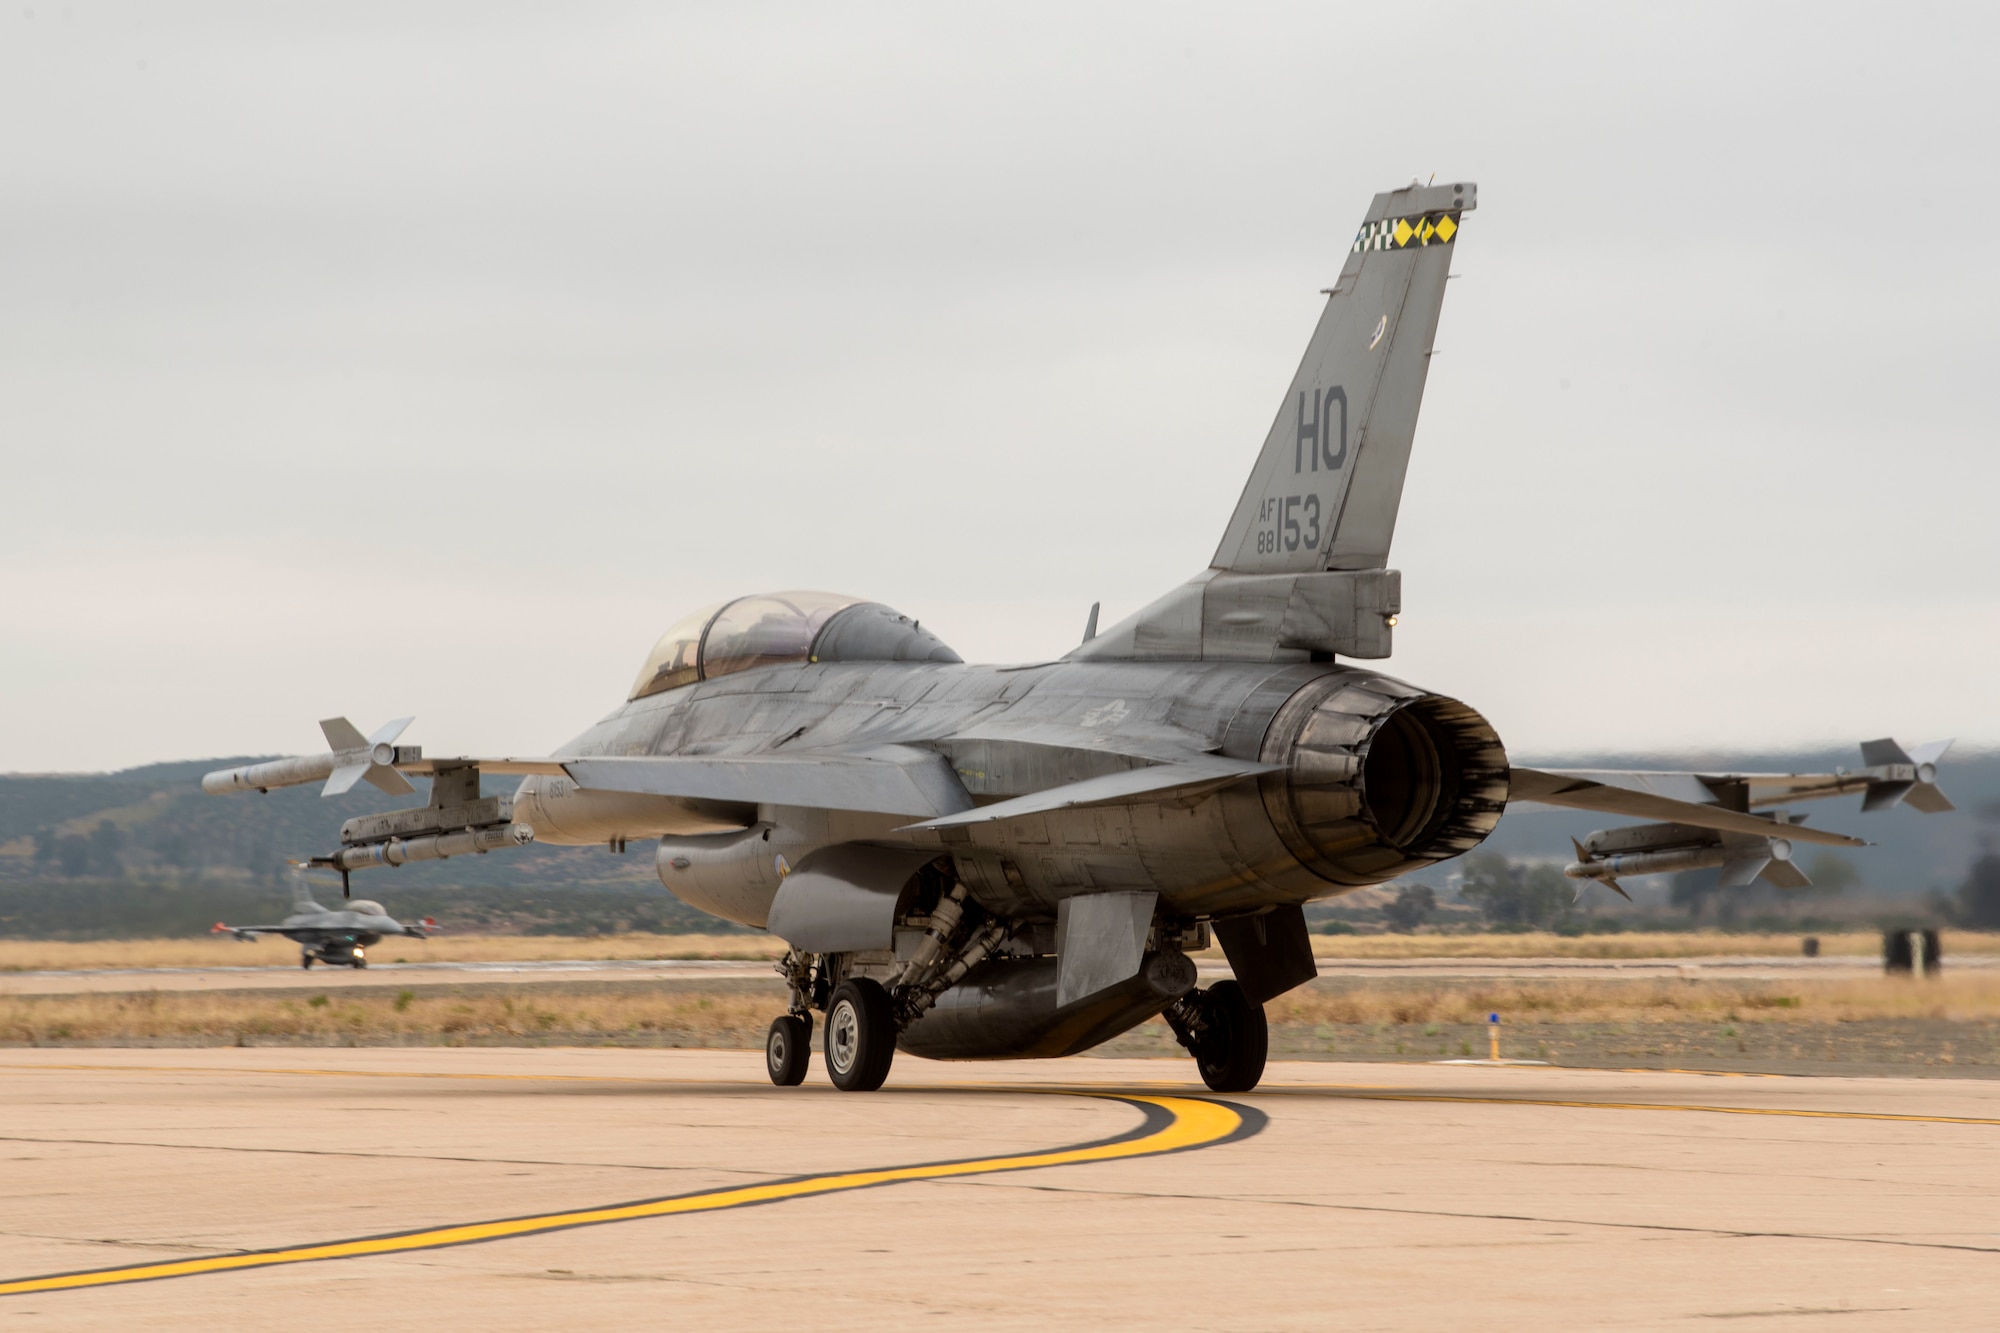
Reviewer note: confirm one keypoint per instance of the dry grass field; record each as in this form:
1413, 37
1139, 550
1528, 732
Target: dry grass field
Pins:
276, 951
271, 951
380, 1016
735, 1013
1635, 944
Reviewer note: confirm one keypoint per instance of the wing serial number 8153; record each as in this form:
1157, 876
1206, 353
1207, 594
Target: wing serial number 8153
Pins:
1293, 523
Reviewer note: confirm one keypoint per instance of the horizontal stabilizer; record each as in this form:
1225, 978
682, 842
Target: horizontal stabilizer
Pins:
890, 780
1578, 792
1188, 779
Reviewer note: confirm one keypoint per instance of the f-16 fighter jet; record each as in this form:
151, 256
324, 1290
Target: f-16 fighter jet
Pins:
336, 937
993, 862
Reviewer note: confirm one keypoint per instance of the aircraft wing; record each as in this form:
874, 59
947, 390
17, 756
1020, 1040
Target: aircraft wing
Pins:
890, 779
247, 932
1680, 798
1186, 779
425, 768
1889, 776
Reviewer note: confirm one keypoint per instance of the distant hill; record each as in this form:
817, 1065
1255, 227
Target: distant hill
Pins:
144, 851
163, 828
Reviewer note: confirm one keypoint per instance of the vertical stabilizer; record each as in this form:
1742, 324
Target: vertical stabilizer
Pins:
302, 898
1327, 485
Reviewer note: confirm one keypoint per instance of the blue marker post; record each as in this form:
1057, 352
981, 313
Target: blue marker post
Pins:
1493, 1032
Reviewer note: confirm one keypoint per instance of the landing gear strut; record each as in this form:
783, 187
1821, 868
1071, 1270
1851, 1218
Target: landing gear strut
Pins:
1226, 1033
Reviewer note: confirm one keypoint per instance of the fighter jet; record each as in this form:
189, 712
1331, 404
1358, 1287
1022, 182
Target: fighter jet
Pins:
338, 938
996, 862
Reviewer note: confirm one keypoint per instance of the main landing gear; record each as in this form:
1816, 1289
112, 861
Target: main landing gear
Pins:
333, 957
860, 1035
1226, 1032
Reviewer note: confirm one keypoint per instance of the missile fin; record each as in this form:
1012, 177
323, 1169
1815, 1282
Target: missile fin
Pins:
1785, 875
1878, 754
1885, 795
342, 779
341, 734
388, 780
1743, 871
1617, 888
1929, 752
1926, 797
388, 731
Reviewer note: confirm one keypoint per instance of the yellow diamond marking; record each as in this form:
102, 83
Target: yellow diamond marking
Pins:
1403, 231
1446, 227
1427, 232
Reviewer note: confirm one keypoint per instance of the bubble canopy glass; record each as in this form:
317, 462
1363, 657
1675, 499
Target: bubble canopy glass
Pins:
774, 629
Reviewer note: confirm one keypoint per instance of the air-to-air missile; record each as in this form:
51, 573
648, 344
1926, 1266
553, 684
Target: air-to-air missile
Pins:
352, 758
1662, 849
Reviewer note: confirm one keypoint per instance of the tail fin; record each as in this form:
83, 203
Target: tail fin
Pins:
1327, 486
302, 898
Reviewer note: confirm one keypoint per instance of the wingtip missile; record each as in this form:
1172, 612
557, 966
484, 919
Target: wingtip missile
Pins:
370, 759
1904, 777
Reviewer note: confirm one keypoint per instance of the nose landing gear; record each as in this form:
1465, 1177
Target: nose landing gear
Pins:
788, 1049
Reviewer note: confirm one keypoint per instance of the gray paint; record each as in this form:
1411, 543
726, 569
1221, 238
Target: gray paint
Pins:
844, 899
1100, 938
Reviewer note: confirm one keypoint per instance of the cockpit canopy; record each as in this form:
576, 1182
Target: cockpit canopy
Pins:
365, 906
779, 628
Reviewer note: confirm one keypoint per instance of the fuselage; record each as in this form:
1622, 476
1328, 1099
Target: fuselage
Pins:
1309, 832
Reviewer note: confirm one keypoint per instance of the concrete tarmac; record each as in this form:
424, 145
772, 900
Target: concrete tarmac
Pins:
1080, 1193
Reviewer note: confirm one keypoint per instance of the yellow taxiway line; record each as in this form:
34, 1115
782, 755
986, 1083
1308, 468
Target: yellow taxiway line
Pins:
1173, 1124
1362, 1092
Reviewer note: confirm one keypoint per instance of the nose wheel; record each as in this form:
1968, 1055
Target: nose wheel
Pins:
788, 1050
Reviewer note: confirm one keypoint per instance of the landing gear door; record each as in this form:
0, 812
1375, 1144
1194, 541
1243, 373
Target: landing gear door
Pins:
844, 899
1270, 954
1100, 941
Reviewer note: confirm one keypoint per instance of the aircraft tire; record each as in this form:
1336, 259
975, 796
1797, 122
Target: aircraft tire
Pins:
1238, 1041
306, 961
860, 1041
788, 1050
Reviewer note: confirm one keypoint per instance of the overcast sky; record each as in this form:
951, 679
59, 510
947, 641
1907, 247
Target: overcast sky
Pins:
383, 359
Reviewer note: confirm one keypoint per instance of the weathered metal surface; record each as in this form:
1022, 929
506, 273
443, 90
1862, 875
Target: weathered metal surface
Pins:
1100, 938
844, 899
1007, 1010
1270, 953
